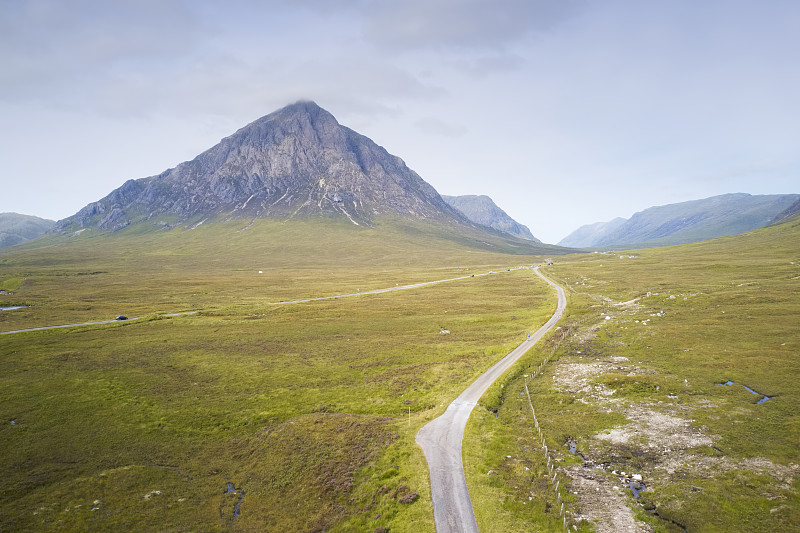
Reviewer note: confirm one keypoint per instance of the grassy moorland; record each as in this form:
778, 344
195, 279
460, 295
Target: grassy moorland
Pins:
664, 357
245, 416
92, 276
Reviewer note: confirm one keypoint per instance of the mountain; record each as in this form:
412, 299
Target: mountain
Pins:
296, 162
16, 228
482, 210
790, 211
685, 222
584, 236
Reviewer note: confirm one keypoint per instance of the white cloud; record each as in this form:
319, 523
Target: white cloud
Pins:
460, 24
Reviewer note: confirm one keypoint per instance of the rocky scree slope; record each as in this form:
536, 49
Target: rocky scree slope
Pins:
297, 161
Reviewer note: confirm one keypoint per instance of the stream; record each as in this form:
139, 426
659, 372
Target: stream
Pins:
231, 489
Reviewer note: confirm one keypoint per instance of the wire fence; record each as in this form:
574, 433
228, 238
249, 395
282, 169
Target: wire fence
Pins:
553, 475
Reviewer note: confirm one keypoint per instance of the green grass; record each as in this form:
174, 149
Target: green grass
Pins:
303, 407
716, 311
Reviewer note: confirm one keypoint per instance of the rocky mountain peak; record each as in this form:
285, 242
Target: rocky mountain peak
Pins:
297, 161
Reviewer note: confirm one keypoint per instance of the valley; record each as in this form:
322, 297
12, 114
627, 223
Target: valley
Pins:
302, 407
299, 305
639, 384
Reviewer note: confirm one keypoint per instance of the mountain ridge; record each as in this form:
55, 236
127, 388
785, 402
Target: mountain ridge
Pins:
684, 222
481, 209
16, 228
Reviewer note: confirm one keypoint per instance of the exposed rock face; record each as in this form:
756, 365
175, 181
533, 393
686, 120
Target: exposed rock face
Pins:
297, 161
482, 210
16, 228
685, 222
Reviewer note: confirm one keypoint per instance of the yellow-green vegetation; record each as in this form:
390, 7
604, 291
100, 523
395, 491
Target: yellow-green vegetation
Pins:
245, 416
644, 391
507, 472
255, 417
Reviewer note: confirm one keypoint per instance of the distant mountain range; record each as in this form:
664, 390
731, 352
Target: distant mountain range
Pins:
299, 162
16, 228
685, 222
482, 210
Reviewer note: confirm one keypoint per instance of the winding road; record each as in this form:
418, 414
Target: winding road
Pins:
441, 438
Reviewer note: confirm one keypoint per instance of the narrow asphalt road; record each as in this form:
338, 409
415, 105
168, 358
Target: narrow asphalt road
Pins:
87, 323
377, 291
441, 438
399, 288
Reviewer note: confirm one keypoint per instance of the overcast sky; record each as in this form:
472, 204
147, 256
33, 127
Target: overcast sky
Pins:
565, 112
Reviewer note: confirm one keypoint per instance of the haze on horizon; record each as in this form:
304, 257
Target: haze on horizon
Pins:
564, 113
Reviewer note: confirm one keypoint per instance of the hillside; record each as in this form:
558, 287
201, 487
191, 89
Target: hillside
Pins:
684, 222
482, 210
671, 398
591, 233
16, 228
790, 211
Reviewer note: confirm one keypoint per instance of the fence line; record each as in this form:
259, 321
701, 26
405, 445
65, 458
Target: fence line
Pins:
555, 480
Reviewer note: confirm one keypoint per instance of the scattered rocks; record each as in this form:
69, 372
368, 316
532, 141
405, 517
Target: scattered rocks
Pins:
408, 499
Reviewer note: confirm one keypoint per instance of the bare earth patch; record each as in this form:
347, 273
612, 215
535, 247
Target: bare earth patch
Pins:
660, 431
656, 431
602, 502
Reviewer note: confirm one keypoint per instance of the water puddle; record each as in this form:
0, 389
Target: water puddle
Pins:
231, 489
761, 400
13, 307
637, 487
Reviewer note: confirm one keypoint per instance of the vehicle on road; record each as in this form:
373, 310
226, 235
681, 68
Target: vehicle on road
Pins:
121, 317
